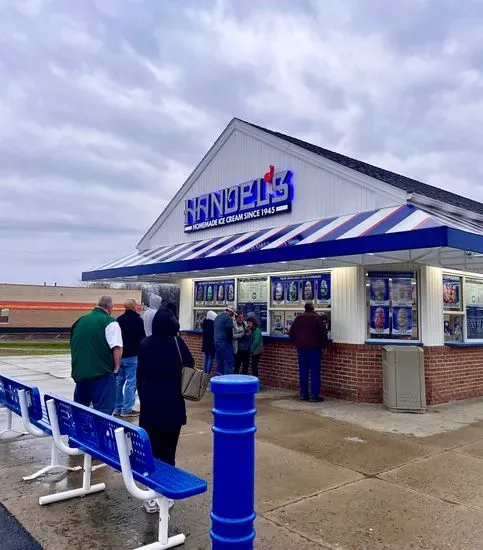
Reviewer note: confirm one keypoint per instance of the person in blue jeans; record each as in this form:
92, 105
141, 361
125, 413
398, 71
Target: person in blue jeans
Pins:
309, 333
208, 344
132, 329
223, 332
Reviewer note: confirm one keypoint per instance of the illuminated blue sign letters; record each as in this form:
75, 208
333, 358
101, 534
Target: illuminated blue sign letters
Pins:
260, 198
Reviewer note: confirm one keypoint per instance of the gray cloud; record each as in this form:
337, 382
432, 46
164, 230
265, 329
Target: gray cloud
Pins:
107, 105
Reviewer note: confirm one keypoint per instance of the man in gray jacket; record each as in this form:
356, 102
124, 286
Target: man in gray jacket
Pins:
225, 356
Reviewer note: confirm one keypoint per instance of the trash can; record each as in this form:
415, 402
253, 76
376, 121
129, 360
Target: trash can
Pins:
404, 389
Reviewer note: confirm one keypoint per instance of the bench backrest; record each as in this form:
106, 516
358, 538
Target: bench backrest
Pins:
93, 432
9, 388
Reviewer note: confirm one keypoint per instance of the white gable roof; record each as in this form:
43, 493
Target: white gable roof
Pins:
323, 188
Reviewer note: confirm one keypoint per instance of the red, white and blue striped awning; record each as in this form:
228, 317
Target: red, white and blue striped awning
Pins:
387, 229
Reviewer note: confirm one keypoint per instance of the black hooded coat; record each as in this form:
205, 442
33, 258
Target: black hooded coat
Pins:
159, 374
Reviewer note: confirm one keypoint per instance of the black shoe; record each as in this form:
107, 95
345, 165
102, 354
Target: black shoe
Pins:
303, 398
316, 399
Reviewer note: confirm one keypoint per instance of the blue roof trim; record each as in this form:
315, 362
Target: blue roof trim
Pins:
416, 239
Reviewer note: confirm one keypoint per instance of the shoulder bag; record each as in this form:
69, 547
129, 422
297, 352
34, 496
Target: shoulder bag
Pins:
193, 381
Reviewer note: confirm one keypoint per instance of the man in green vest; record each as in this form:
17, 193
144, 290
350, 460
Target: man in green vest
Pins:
96, 347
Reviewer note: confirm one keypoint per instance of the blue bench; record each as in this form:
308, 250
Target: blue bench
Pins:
127, 449
9, 400
24, 400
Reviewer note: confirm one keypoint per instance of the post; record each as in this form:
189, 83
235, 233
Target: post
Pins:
233, 510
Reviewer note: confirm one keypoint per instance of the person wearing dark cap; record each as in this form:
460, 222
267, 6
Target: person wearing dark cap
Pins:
132, 329
309, 334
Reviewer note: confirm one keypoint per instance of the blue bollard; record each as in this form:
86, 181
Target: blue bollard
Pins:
233, 512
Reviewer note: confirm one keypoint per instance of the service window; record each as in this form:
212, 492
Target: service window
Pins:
289, 294
4, 315
213, 295
392, 306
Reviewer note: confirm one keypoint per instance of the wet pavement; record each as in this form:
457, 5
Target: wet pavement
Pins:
322, 483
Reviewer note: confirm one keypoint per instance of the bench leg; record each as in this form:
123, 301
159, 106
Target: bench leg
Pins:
9, 432
163, 540
54, 465
86, 489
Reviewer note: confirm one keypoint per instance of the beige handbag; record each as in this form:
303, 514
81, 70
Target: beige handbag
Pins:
193, 381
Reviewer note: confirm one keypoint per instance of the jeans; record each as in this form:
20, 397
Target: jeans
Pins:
100, 391
225, 358
126, 385
242, 359
309, 364
209, 360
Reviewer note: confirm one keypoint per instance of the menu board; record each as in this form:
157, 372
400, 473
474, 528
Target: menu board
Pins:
474, 309
214, 293
451, 293
474, 292
296, 290
259, 310
474, 323
252, 290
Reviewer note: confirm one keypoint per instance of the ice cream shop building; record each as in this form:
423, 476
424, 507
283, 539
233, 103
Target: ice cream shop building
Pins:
267, 222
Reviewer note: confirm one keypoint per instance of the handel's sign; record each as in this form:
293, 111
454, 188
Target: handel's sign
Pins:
260, 198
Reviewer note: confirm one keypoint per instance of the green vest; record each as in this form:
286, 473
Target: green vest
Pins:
91, 354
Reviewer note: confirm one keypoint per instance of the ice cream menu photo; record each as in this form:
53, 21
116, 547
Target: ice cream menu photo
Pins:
380, 320
379, 289
451, 292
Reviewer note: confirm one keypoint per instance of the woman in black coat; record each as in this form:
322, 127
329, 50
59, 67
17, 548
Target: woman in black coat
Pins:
159, 374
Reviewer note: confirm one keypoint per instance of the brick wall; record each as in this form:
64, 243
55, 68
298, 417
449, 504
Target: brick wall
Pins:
354, 372
453, 373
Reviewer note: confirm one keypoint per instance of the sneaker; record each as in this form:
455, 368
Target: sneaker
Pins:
303, 398
130, 413
151, 506
116, 413
316, 399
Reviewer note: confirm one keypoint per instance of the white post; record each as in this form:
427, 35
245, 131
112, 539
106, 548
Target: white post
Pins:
9, 432
54, 424
86, 488
164, 541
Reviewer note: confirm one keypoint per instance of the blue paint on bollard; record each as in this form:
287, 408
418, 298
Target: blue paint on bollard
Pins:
233, 512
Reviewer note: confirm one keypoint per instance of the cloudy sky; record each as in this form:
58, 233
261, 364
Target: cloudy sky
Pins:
107, 105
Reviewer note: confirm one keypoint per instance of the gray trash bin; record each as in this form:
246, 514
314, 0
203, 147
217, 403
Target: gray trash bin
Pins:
404, 389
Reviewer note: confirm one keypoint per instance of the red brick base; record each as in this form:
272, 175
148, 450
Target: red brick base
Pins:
354, 372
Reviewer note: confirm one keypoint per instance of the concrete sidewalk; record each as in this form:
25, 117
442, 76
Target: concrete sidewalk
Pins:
329, 476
